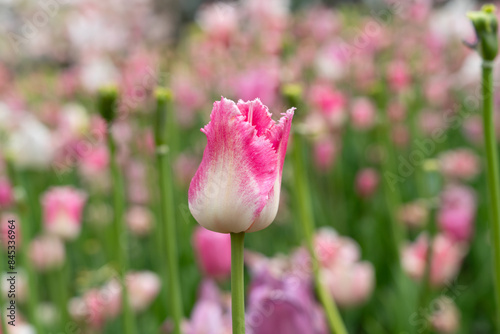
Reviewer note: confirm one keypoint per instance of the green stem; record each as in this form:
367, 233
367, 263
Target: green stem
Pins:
237, 283
121, 244
492, 175
24, 225
306, 218
167, 208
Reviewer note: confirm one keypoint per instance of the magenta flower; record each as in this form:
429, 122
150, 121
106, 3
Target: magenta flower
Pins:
237, 186
62, 211
213, 252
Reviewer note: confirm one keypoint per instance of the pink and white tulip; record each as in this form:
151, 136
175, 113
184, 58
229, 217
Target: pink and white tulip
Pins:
237, 186
142, 287
62, 211
47, 253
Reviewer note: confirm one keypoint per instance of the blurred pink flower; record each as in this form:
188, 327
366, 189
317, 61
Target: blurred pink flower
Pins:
95, 161
447, 257
446, 316
325, 151
362, 113
139, 220
5, 227
457, 212
62, 211
367, 182
47, 253
213, 252
6, 193
400, 135
329, 102
259, 82
142, 288
431, 122
189, 98
219, 20
473, 128
275, 282
332, 249
396, 111
459, 164
398, 75
350, 284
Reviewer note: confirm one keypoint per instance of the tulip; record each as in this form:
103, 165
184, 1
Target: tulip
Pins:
446, 319
62, 211
143, 287
447, 257
6, 192
237, 186
139, 220
457, 212
363, 113
366, 182
459, 164
46, 253
213, 251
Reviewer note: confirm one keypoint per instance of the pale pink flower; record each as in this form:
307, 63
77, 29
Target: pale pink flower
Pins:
62, 211
46, 253
473, 129
213, 252
142, 288
95, 161
367, 182
219, 20
400, 135
457, 213
259, 82
362, 113
459, 164
350, 284
332, 249
139, 220
446, 316
431, 122
447, 257
237, 185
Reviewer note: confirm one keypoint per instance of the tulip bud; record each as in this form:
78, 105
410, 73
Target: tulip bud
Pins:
486, 26
47, 253
106, 102
142, 287
62, 211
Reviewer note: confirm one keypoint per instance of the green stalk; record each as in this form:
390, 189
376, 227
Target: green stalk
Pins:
306, 218
167, 207
237, 283
121, 244
292, 94
492, 175
24, 228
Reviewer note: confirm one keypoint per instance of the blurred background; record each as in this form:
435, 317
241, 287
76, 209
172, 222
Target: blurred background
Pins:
388, 109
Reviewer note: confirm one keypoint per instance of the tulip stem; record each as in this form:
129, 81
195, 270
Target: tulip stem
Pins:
24, 226
121, 245
167, 207
306, 218
492, 175
237, 283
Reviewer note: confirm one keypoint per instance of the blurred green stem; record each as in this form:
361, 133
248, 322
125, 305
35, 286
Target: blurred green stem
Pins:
24, 225
121, 244
167, 206
492, 175
237, 283
306, 219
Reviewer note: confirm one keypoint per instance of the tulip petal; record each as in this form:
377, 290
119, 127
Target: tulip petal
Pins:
238, 170
278, 135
